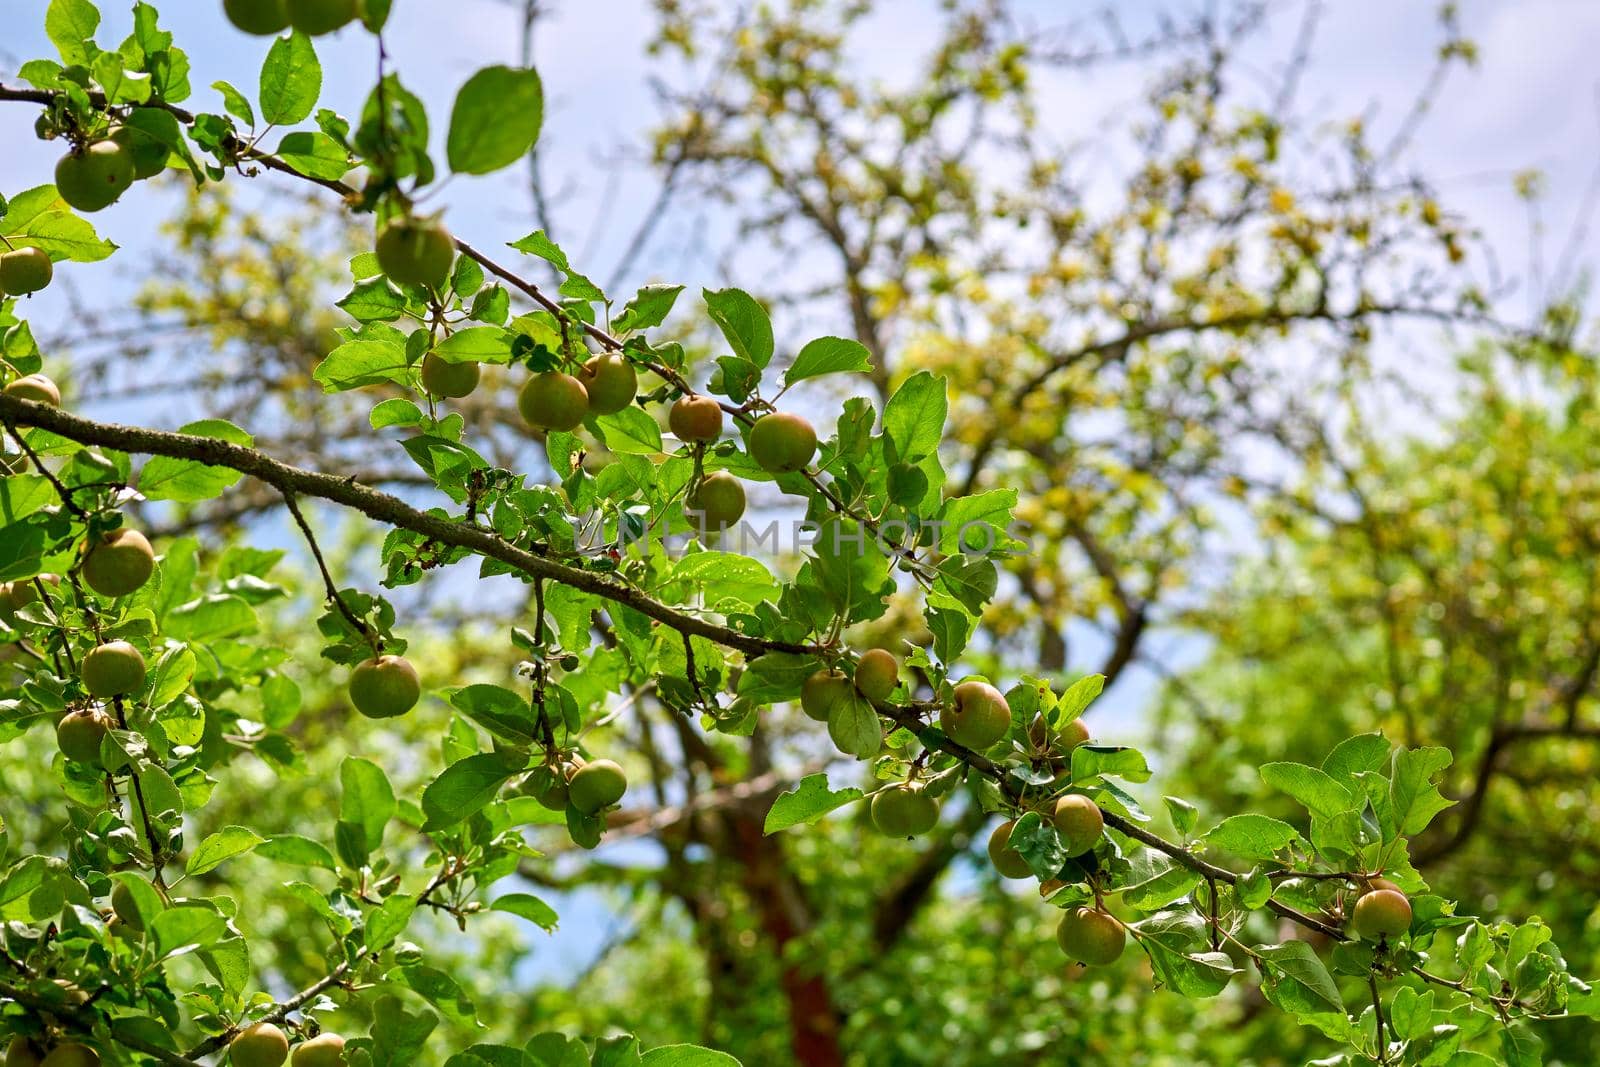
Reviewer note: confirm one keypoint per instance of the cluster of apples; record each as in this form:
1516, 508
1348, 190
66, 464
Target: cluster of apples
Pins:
261, 1044
94, 174
589, 787
265, 1045
313, 18
25, 1052
421, 251
117, 563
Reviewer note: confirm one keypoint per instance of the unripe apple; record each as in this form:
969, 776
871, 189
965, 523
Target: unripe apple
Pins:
317, 17
1381, 913
781, 442
72, 1054
553, 401
596, 786
113, 669
122, 904
384, 687
1070, 735
820, 692
1382, 883
14, 596
877, 673
260, 17
1091, 936
25, 270
548, 785
415, 251
35, 387
1079, 823
904, 811
79, 734
695, 419
261, 1045
148, 154
611, 383
324, 1050
977, 716
23, 1053
717, 502
451, 380
1007, 860
119, 563
93, 177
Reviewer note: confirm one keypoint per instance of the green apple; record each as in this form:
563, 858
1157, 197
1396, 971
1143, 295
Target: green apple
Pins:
92, 177
120, 562
553, 401
384, 687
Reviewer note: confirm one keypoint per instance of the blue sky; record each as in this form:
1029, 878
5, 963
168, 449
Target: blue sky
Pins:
1531, 103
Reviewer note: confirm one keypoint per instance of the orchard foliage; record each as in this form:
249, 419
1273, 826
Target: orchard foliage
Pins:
148, 663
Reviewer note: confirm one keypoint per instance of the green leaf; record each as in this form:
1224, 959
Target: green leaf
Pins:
727, 581
1356, 755
828, 355
649, 307
1414, 799
166, 478
70, 25
495, 120
1411, 1013
500, 711
1079, 695
237, 103
442, 991
182, 929
1297, 981
1251, 836
1185, 816
686, 1056
1159, 884
476, 344
23, 494
1169, 939
806, 803
374, 301
527, 906
212, 616
632, 432
368, 801
389, 921
314, 154
914, 416
1313, 788
398, 1035
63, 235
171, 677
365, 362
291, 80
743, 322
222, 846
396, 411
854, 726
298, 851
467, 785
1094, 761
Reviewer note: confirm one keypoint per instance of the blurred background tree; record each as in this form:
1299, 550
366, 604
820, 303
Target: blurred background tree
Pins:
1263, 391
